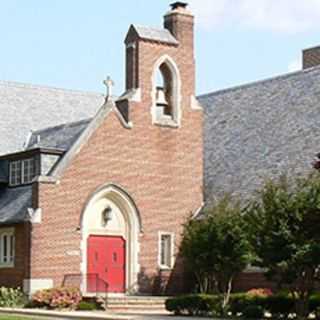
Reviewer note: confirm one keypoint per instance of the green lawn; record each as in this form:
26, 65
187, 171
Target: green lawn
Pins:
11, 317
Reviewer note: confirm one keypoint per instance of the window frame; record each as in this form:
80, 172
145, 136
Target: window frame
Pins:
172, 249
15, 167
30, 164
19, 167
7, 260
173, 120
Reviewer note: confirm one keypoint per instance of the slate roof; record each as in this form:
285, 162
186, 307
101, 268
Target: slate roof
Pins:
259, 131
14, 203
251, 132
155, 34
29, 107
58, 137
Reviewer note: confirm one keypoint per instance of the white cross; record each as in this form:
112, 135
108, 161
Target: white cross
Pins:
109, 84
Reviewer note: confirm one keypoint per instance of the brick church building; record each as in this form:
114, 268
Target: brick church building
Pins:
95, 189
101, 186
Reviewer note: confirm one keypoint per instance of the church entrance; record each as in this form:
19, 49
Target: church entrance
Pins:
106, 264
110, 227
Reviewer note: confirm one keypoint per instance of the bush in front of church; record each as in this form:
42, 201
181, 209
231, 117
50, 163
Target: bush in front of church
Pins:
57, 298
11, 298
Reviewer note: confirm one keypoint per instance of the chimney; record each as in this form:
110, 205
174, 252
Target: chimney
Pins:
180, 22
311, 57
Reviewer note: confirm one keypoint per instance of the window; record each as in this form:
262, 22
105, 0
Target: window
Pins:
28, 168
7, 248
22, 171
15, 173
166, 250
166, 93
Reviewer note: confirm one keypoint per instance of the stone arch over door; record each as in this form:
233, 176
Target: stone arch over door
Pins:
125, 222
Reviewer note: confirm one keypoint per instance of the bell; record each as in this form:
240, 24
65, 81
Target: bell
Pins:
161, 97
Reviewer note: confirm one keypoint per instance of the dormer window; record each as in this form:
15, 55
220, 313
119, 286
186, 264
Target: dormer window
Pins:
166, 93
22, 171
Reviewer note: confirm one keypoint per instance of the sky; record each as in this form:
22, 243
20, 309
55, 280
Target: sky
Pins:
76, 44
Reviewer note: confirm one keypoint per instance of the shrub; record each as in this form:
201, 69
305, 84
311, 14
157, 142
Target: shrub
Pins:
280, 305
253, 312
88, 306
314, 303
197, 304
57, 298
10, 297
241, 301
261, 292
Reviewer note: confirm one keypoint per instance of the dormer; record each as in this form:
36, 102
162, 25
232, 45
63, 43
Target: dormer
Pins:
23, 167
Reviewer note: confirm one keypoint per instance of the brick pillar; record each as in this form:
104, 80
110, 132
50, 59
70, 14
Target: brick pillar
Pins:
180, 22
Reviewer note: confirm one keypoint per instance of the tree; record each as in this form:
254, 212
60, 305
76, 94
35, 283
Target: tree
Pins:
284, 225
216, 247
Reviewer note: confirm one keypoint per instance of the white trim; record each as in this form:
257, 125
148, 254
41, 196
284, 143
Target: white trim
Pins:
195, 104
131, 45
8, 232
35, 215
161, 266
132, 95
30, 286
176, 91
197, 212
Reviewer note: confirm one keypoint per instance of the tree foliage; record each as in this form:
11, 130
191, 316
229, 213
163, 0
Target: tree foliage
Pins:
284, 225
216, 247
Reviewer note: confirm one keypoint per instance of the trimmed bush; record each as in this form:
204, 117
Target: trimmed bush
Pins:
194, 305
10, 297
57, 298
314, 303
241, 301
253, 312
280, 305
88, 306
249, 306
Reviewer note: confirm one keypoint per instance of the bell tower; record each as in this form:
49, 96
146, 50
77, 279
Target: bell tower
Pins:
167, 54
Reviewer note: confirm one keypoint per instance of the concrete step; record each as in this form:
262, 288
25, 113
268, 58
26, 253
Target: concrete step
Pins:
136, 304
126, 302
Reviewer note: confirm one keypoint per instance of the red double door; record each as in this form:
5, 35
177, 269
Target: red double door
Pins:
106, 264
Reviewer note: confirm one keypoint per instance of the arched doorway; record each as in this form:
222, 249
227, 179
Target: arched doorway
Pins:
110, 228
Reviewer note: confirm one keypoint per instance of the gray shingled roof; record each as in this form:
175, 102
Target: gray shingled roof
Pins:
155, 34
27, 107
261, 130
14, 204
58, 137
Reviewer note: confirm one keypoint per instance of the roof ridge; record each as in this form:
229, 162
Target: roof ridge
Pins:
150, 27
253, 83
18, 84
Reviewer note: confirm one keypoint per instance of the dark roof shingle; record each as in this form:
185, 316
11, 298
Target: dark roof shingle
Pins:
261, 130
59, 137
14, 204
27, 107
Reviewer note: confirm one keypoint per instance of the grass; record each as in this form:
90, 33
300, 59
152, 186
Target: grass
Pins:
12, 317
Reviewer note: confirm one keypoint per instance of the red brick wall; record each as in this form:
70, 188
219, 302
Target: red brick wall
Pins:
160, 167
13, 277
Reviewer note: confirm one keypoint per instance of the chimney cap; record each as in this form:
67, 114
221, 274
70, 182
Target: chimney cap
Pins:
178, 4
